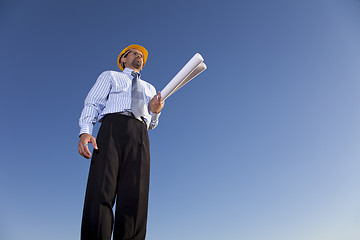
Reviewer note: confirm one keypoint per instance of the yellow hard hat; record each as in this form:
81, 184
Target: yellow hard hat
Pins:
133, 46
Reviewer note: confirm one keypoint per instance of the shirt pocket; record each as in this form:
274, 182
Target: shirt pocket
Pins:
118, 87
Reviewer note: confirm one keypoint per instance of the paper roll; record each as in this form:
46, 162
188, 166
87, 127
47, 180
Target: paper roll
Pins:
191, 69
199, 69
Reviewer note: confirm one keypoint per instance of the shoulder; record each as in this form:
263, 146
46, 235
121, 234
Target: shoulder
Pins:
111, 75
105, 75
117, 75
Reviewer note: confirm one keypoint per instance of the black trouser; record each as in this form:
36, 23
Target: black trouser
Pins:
119, 170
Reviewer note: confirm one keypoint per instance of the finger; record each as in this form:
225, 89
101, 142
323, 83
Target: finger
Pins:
93, 141
83, 148
87, 151
159, 96
81, 151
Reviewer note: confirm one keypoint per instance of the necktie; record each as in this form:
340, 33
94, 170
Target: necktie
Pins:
138, 107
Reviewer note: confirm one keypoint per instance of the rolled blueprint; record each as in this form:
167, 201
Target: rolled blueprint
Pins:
201, 67
191, 69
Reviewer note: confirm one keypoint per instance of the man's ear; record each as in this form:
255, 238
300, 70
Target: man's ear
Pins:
122, 61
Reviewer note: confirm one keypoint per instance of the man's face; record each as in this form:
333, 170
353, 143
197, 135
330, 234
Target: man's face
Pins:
134, 59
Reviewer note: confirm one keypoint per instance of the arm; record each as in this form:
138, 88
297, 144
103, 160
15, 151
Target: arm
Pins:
94, 104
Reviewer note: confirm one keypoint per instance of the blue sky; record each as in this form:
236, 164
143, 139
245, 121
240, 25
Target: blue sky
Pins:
262, 145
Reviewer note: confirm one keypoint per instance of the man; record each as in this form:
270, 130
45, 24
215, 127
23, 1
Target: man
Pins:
127, 107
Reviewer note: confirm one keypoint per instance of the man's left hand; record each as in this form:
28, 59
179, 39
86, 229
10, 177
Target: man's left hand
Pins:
156, 103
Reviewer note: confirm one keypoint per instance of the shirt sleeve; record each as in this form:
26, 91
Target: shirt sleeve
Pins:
154, 120
95, 103
154, 117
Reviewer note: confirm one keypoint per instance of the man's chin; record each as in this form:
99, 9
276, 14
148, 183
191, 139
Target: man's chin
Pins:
137, 66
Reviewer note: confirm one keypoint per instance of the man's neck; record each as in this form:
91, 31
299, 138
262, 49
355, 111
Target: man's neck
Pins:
133, 69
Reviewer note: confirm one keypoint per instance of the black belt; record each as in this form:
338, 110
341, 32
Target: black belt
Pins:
127, 113
130, 114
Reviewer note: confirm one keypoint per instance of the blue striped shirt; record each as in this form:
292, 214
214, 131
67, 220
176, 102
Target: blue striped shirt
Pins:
111, 94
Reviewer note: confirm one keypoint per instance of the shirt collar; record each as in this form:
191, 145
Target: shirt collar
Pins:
128, 71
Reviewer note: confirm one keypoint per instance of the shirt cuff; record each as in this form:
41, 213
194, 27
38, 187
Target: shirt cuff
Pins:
86, 129
154, 116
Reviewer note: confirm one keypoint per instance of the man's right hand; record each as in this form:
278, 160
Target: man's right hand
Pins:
86, 138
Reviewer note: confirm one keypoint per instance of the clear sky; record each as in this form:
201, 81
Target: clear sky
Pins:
263, 145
